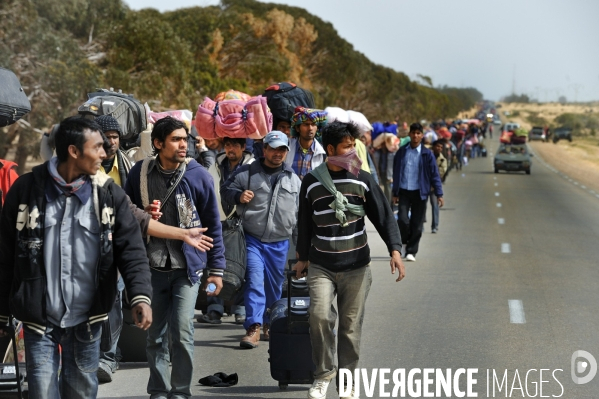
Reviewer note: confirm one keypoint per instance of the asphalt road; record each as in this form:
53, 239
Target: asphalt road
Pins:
510, 282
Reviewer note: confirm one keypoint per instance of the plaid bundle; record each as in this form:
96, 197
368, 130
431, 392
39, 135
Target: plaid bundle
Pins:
303, 114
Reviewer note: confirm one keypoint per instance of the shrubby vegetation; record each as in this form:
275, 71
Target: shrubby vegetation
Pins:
62, 49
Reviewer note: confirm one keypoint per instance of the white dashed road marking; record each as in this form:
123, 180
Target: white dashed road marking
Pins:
516, 311
505, 248
501, 221
497, 194
496, 184
499, 205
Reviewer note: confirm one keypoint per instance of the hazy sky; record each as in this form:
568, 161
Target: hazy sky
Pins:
543, 48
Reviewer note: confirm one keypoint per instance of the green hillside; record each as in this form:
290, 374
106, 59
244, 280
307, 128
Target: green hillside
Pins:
62, 49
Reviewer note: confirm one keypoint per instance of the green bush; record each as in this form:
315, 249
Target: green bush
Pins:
579, 123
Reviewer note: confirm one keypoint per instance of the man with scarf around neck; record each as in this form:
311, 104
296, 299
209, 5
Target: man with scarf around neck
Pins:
415, 171
265, 194
64, 231
305, 152
176, 268
333, 247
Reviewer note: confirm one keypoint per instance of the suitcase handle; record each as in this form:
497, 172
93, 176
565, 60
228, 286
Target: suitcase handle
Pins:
12, 331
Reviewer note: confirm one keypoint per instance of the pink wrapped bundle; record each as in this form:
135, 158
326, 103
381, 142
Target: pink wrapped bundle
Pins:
204, 121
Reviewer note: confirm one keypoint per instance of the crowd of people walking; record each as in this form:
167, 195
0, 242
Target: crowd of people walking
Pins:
95, 229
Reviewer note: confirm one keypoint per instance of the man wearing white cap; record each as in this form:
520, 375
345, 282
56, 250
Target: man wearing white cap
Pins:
266, 196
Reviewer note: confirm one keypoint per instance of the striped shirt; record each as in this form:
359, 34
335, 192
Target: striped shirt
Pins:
322, 240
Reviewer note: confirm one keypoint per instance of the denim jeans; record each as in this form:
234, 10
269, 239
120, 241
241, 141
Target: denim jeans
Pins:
351, 288
412, 210
435, 210
264, 277
217, 304
113, 356
80, 355
173, 305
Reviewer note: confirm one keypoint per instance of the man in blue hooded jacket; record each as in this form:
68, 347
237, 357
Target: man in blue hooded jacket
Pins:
414, 173
176, 268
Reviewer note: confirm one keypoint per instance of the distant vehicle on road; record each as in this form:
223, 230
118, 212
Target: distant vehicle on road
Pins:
562, 133
510, 127
513, 158
537, 133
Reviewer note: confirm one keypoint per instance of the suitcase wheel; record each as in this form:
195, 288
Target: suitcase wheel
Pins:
282, 386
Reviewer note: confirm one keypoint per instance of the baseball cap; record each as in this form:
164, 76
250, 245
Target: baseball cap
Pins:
276, 139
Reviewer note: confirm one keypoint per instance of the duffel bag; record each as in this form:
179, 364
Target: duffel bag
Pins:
235, 257
126, 109
506, 137
284, 97
14, 103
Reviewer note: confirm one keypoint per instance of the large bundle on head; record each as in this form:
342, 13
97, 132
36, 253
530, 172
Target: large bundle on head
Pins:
284, 97
125, 108
183, 115
302, 114
235, 114
355, 117
14, 103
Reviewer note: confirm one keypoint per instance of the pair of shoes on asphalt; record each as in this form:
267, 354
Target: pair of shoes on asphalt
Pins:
251, 337
211, 317
410, 258
239, 319
104, 373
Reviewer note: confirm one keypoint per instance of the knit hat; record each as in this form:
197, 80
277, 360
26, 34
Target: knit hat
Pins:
108, 123
303, 114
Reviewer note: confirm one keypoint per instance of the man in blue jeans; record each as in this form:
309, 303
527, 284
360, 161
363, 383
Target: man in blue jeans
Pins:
186, 193
266, 196
64, 231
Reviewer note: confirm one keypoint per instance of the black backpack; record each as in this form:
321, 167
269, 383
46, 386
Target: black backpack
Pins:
282, 98
192, 151
14, 103
126, 109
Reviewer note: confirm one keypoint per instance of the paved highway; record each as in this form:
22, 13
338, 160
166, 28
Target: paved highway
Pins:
508, 286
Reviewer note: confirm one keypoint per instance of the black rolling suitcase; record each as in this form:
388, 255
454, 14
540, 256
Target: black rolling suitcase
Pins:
13, 375
290, 348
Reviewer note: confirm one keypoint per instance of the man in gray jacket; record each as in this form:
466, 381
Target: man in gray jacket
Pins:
266, 196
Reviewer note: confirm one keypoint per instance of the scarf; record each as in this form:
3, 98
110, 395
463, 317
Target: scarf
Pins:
303, 114
340, 204
348, 161
68, 188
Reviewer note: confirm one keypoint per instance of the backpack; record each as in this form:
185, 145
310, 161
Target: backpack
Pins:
126, 109
282, 98
192, 150
14, 103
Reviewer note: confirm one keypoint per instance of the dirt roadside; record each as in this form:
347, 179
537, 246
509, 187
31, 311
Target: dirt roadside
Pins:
578, 159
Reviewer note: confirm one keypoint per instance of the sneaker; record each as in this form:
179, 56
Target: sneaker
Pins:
352, 395
410, 258
104, 373
318, 389
211, 317
434, 231
239, 318
266, 332
251, 338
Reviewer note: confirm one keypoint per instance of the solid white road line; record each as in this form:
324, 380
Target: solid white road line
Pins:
501, 221
516, 311
499, 205
505, 248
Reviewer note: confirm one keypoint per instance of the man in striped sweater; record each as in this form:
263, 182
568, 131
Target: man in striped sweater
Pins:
333, 246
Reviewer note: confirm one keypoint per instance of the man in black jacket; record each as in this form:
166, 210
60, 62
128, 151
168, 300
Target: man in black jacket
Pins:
63, 232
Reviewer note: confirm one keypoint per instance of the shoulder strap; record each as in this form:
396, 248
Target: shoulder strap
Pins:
181, 171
